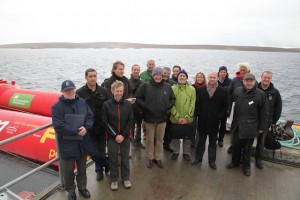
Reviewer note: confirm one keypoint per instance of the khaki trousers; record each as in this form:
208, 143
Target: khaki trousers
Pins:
154, 140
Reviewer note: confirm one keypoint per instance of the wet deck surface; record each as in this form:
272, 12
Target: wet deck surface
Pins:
180, 180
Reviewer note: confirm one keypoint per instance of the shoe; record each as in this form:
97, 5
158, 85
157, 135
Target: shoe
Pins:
114, 186
186, 157
220, 143
127, 184
99, 176
169, 149
213, 165
174, 156
72, 196
106, 169
149, 163
231, 165
196, 161
229, 150
259, 164
159, 163
85, 193
247, 172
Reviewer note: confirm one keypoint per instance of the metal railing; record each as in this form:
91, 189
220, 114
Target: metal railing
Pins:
4, 189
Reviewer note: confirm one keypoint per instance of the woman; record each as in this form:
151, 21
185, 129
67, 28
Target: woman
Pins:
200, 80
117, 116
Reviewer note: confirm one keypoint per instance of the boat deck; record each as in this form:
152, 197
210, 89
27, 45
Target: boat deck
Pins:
180, 180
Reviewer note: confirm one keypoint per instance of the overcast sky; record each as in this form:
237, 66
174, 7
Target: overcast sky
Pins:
226, 22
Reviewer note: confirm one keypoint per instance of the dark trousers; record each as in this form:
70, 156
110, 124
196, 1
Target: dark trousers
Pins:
260, 145
100, 143
241, 146
212, 146
222, 129
137, 123
167, 136
113, 151
67, 167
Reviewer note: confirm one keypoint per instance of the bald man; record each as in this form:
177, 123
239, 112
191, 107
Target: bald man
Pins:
211, 106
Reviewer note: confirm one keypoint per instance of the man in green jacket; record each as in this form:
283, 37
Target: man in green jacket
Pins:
183, 111
147, 75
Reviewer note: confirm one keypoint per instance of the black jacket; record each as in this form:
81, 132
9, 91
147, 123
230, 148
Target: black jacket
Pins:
108, 82
95, 101
225, 83
156, 100
118, 115
135, 85
69, 148
275, 103
210, 111
250, 112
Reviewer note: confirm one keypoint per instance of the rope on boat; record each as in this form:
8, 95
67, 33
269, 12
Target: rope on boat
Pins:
295, 141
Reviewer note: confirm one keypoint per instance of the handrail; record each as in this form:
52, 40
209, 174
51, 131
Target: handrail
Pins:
24, 134
3, 142
28, 174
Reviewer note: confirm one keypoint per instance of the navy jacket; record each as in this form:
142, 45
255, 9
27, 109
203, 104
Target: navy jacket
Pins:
68, 148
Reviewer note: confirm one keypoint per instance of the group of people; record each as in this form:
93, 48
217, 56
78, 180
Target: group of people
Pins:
94, 117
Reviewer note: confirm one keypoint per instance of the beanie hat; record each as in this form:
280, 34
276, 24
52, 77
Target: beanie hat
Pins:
157, 70
67, 84
223, 68
183, 72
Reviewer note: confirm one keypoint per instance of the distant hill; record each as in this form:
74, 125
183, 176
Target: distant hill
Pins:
124, 45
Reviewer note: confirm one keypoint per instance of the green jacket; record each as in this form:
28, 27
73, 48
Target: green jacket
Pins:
184, 104
145, 76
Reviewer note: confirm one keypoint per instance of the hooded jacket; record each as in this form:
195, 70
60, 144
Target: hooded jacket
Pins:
156, 100
184, 104
69, 148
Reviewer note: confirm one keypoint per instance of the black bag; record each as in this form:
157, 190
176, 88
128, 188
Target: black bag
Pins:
181, 131
271, 143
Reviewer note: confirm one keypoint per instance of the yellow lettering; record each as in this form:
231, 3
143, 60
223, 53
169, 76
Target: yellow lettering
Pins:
49, 133
52, 153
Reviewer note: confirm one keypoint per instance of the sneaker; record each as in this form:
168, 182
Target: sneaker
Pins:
114, 186
127, 184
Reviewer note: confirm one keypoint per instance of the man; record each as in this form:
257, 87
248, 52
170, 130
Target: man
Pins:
183, 112
250, 118
135, 83
176, 70
156, 99
224, 82
275, 108
211, 107
72, 120
167, 137
147, 75
117, 73
236, 82
95, 96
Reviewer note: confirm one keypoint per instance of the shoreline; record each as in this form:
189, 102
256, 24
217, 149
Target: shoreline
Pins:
124, 45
